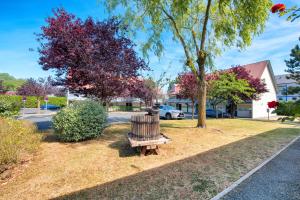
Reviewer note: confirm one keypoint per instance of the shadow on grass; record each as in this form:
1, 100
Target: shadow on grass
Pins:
197, 177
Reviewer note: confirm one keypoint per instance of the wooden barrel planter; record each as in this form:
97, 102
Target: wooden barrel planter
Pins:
145, 127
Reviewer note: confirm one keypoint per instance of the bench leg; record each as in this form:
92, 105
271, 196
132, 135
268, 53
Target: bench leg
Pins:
143, 151
147, 150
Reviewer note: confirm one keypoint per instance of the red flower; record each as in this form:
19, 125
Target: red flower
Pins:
273, 104
278, 8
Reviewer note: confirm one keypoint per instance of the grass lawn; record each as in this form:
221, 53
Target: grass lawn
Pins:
197, 164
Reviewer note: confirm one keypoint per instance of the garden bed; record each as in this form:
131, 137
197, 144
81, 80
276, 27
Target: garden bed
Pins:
197, 164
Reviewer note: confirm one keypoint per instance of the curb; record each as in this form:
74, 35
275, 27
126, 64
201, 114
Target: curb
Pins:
243, 178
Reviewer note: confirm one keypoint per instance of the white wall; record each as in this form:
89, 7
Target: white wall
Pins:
259, 107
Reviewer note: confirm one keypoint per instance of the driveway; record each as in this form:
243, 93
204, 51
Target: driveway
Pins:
44, 121
277, 180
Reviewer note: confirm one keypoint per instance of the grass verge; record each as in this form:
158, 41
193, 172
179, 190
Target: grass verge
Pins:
197, 164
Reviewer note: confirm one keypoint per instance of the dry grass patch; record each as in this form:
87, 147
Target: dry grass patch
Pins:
196, 164
18, 140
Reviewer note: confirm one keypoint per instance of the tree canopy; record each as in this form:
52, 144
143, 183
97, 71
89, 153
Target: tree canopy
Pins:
202, 27
234, 86
90, 57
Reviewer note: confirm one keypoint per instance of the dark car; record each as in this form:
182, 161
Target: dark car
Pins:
214, 113
49, 107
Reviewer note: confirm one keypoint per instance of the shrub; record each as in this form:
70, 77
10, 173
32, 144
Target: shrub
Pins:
17, 137
80, 121
58, 101
288, 108
9, 108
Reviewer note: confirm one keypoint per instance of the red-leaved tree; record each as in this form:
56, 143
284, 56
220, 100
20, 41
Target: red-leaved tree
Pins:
90, 57
144, 89
188, 87
255, 83
38, 88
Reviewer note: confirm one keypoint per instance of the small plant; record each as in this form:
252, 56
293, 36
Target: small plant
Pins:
80, 121
17, 137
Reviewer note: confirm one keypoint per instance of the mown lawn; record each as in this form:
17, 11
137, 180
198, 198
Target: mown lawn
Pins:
197, 164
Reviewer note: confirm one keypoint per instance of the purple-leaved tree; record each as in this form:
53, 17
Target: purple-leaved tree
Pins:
90, 57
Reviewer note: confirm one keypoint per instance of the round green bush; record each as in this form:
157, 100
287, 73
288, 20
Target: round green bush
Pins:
80, 121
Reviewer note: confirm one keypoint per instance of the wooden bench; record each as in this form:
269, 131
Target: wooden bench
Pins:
148, 147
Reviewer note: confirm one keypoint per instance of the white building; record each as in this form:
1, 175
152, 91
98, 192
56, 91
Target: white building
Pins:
283, 83
258, 108
250, 109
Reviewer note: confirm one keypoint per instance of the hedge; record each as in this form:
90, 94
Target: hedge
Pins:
31, 101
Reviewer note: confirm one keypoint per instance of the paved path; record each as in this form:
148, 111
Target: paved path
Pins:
277, 180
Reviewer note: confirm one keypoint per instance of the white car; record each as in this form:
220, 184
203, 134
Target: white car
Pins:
169, 112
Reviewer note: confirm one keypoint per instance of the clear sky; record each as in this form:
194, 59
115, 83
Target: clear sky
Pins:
19, 20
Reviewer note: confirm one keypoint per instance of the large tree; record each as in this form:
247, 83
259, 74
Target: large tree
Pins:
90, 57
293, 64
231, 89
38, 88
158, 84
188, 87
202, 27
144, 89
234, 86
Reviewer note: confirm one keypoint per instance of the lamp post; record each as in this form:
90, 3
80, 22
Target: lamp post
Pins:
24, 101
46, 100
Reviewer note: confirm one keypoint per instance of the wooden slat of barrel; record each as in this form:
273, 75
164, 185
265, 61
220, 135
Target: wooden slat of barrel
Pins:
145, 127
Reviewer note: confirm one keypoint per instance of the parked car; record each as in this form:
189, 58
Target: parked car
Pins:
213, 113
169, 112
49, 107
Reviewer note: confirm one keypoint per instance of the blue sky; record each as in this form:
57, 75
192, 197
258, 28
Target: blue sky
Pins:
19, 20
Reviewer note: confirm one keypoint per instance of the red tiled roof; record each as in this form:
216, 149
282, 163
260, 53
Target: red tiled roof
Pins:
256, 69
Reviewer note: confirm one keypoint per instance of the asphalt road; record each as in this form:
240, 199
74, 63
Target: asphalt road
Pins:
277, 180
44, 121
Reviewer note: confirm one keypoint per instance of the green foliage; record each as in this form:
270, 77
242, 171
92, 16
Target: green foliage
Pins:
293, 90
80, 121
293, 64
31, 101
231, 23
10, 82
9, 106
289, 108
228, 87
17, 137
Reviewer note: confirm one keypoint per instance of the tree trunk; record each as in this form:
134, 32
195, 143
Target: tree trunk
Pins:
201, 104
232, 110
193, 109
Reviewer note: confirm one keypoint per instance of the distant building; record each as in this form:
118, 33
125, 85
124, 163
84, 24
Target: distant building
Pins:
283, 83
249, 109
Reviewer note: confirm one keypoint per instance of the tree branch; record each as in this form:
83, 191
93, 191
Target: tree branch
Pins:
195, 41
204, 29
185, 47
